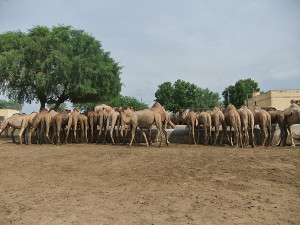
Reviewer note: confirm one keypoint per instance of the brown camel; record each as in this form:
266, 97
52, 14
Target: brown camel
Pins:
277, 117
247, 121
47, 122
157, 107
143, 119
292, 116
83, 124
263, 119
37, 122
73, 122
191, 122
204, 119
182, 117
16, 121
232, 119
174, 119
217, 119
30, 122
59, 122
93, 123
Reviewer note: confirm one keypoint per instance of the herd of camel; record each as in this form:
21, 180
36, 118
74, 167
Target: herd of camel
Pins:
90, 127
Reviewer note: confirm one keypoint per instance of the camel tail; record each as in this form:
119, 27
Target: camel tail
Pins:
3, 126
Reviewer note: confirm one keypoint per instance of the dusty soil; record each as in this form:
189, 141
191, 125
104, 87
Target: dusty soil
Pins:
179, 184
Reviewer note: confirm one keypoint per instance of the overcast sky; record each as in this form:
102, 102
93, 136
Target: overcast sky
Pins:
210, 43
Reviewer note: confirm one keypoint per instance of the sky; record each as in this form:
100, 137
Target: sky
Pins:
212, 43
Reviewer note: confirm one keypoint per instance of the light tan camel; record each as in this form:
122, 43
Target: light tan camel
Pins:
36, 122
217, 119
232, 119
263, 119
102, 117
93, 123
59, 122
30, 122
83, 124
47, 122
128, 112
113, 120
292, 116
204, 119
157, 107
73, 122
143, 119
16, 121
98, 108
247, 121
191, 122
277, 117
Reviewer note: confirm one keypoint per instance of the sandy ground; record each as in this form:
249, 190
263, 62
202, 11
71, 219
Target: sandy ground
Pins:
179, 184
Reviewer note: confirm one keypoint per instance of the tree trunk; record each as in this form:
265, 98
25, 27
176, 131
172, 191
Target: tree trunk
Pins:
59, 101
43, 103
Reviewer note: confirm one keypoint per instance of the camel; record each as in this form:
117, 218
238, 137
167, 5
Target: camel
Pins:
112, 119
98, 108
16, 121
217, 119
232, 119
182, 117
47, 122
83, 124
59, 122
30, 121
204, 119
144, 119
247, 121
128, 112
102, 117
174, 119
263, 119
191, 122
93, 122
157, 107
277, 117
36, 122
73, 121
292, 116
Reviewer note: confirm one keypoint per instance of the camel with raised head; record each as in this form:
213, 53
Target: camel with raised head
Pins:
232, 119
247, 121
191, 122
143, 119
157, 107
263, 119
204, 119
37, 122
292, 116
16, 121
73, 122
217, 119
277, 117
59, 122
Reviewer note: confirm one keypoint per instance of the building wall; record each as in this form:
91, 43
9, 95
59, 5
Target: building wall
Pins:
279, 99
7, 113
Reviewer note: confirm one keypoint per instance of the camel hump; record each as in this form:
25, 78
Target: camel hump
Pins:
287, 112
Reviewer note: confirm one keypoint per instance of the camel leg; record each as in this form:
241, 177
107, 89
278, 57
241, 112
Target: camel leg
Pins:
112, 127
133, 128
291, 135
21, 134
216, 134
145, 136
12, 135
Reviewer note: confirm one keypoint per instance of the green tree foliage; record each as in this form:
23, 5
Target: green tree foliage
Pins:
238, 92
120, 100
185, 95
10, 105
55, 65
60, 108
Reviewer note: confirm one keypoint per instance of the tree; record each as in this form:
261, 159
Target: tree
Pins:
185, 95
55, 65
60, 108
10, 105
120, 100
237, 94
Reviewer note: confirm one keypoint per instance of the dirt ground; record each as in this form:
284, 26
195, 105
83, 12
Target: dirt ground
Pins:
179, 184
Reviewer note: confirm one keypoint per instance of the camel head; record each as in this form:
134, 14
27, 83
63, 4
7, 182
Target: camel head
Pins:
76, 109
